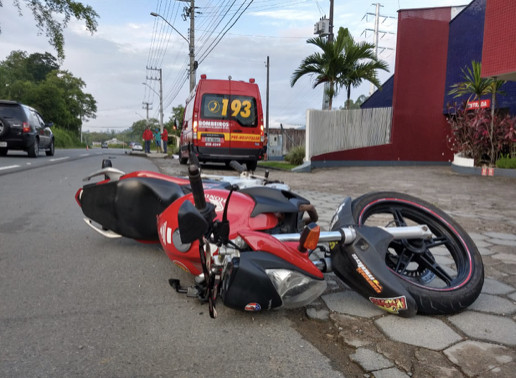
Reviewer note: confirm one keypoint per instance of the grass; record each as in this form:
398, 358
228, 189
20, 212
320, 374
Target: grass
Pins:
506, 162
284, 166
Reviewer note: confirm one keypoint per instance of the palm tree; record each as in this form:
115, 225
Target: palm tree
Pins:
473, 84
343, 62
324, 65
477, 86
359, 63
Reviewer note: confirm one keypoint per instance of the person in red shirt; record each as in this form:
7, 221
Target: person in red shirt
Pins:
147, 137
164, 138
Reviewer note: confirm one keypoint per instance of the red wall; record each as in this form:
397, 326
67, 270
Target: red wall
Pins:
419, 129
499, 49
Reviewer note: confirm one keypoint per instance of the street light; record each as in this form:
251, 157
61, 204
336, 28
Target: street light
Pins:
172, 26
191, 43
152, 89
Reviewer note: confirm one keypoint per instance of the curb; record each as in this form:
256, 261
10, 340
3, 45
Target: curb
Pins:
478, 171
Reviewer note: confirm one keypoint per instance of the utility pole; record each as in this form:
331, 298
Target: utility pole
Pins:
190, 12
147, 106
267, 99
325, 28
160, 78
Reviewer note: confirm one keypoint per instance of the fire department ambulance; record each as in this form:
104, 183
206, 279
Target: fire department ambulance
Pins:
223, 121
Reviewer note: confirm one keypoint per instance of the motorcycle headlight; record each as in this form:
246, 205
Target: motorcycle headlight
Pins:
294, 288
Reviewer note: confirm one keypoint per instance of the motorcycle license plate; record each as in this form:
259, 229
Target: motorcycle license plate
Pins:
3, 144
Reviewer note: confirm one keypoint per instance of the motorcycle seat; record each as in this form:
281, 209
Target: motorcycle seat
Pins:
130, 206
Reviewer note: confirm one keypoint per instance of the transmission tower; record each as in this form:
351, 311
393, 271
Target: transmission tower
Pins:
377, 33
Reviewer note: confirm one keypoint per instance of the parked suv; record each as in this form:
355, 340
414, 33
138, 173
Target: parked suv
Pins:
23, 128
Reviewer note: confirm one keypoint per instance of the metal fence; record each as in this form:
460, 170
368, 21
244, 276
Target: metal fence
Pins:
338, 130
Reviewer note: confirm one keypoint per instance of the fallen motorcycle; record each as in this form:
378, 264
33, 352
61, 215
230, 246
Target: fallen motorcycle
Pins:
127, 204
253, 249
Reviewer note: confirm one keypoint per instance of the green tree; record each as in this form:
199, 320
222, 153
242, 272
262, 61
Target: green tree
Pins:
473, 83
36, 80
359, 63
356, 104
136, 130
476, 87
178, 113
343, 62
324, 66
45, 12
40, 65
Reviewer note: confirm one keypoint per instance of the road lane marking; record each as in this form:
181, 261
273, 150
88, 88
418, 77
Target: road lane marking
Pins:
85, 155
9, 167
63, 158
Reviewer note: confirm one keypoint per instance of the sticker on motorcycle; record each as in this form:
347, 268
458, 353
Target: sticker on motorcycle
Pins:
219, 202
181, 265
253, 307
392, 305
367, 275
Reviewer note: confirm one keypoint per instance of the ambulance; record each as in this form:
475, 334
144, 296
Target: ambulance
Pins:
223, 121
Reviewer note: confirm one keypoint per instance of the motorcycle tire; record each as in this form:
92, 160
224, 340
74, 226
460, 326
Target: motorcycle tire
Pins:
444, 274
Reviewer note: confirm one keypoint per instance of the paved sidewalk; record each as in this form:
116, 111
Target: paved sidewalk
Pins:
480, 341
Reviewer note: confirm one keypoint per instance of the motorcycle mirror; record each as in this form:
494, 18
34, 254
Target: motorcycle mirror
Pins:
192, 225
309, 237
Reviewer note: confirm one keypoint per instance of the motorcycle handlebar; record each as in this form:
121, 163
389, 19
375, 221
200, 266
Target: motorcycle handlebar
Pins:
196, 183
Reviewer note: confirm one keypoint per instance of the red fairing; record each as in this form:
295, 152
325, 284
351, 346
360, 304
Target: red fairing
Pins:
239, 216
78, 197
259, 241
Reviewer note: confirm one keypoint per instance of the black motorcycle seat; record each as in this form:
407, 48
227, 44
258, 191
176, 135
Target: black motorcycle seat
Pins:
130, 206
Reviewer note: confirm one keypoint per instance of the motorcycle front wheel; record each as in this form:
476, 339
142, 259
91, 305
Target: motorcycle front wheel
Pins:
444, 274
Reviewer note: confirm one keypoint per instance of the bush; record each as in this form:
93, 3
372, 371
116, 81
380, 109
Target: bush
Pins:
65, 138
296, 155
471, 134
506, 162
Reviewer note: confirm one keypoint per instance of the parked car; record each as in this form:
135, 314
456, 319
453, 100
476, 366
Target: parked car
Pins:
137, 147
23, 128
104, 145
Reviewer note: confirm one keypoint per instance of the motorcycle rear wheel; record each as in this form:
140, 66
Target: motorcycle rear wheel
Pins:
444, 274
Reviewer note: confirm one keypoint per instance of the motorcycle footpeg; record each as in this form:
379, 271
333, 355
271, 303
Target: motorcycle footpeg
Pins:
190, 291
176, 284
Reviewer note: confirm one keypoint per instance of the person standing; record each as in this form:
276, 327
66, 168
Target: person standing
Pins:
164, 138
147, 138
157, 139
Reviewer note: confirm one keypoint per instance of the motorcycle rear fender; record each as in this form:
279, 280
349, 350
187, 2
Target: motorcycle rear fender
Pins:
361, 265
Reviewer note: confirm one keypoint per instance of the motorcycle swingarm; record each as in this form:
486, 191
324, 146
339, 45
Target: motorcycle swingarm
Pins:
361, 265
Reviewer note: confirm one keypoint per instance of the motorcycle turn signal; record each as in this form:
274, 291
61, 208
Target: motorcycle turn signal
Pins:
309, 237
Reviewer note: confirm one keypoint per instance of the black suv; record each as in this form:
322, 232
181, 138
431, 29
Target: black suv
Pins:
22, 128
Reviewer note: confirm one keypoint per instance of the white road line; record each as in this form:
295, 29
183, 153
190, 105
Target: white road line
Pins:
9, 167
63, 158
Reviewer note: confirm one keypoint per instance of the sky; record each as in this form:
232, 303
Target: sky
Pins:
114, 62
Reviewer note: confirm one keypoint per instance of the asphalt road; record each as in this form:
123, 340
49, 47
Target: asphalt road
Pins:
73, 303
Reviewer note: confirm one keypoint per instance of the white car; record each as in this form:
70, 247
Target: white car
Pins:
137, 147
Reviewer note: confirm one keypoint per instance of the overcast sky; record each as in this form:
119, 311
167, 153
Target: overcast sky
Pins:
113, 61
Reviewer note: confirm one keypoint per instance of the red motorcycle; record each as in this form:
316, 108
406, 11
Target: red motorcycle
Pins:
259, 248
253, 249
